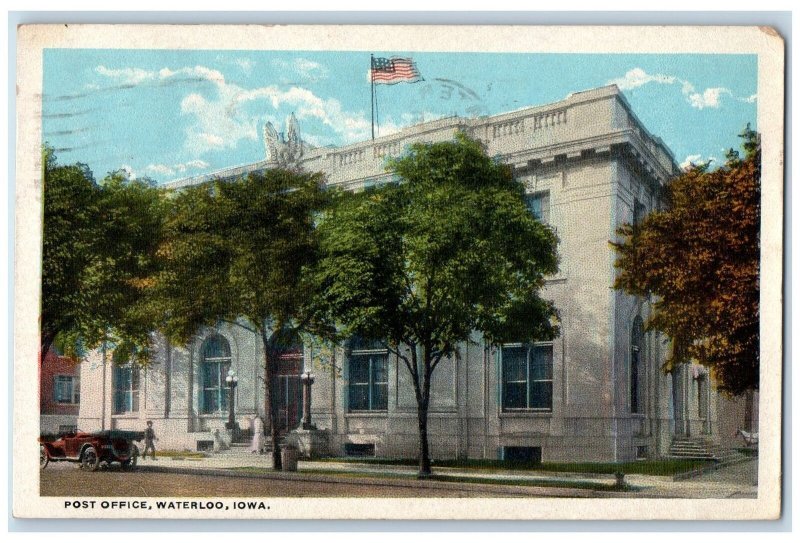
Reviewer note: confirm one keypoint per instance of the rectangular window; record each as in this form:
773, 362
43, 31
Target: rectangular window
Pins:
215, 389
539, 205
359, 449
66, 389
368, 388
702, 397
126, 389
527, 377
522, 455
639, 211
635, 400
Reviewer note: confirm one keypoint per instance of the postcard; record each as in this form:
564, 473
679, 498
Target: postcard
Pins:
398, 272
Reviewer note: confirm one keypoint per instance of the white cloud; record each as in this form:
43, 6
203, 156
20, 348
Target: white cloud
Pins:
194, 165
199, 72
161, 169
129, 171
637, 77
696, 160
220, 121
708, 98
167, 169
305, 68
751, 99
127, 76
245, 64
689, 160
138, 76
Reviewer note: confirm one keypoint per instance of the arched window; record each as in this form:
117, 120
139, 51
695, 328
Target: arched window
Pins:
637, 354
215, 363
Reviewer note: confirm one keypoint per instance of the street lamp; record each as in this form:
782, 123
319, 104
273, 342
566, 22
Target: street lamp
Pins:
231, 380
307, 379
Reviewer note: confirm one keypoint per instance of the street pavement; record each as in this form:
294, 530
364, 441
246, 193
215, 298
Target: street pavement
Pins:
735, 481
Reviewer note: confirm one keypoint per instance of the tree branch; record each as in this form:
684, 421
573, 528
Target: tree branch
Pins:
436, 359
236, 323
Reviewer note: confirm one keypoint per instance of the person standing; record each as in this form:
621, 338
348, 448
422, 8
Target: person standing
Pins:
257, 445
149, 439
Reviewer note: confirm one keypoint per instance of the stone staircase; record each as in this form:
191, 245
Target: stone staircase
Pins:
701, 448
243, 440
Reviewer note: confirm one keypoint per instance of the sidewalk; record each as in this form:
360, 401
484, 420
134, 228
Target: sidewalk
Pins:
735, 481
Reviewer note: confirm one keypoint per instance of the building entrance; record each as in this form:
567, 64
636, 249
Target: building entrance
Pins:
287, 396
287, 393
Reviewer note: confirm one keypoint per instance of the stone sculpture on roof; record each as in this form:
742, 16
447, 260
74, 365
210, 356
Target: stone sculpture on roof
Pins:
284, 151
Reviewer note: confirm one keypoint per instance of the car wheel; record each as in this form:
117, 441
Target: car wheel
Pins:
130, 463
43, 458
90, 460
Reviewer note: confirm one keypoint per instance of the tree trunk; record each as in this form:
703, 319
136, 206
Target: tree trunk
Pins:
269, 407
423, 401
748, 411
424, 452
47, 341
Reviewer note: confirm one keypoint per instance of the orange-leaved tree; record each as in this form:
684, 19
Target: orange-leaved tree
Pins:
699, 258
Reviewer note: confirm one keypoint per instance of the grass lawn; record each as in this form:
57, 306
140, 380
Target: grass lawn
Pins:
180, 454
644, 467
549, 483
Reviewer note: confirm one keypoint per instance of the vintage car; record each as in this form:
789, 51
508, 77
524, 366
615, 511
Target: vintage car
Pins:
91, 449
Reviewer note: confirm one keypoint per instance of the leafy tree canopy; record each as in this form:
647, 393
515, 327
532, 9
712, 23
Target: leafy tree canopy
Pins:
99, 243
422, 263
237, 251
699, 257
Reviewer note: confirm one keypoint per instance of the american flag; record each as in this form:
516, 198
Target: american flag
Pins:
388, 71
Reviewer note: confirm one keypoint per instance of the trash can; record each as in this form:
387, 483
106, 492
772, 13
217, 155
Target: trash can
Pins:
289, 455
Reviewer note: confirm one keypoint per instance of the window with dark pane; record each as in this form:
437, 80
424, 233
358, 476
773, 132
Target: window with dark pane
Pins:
66, 389
639, 211
539, 205
527, 372
215, 363
368, 376
637, 346
126, 389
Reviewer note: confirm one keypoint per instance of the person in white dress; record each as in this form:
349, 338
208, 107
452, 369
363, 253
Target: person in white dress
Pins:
257, 445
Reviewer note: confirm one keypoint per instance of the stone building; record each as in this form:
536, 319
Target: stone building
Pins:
596, 393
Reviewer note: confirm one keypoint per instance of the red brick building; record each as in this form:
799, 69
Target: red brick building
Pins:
59, 393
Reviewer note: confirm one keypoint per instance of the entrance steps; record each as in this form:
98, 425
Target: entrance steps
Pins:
687, 448
241, 447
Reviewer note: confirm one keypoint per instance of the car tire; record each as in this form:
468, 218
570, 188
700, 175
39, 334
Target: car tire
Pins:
130, 463
43, 458
90, 459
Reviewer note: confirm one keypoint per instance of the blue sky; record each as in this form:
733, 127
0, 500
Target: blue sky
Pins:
168, 114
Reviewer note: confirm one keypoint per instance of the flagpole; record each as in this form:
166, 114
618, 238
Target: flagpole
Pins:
372, 91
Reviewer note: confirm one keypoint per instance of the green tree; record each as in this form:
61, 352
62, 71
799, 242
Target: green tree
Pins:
236, 251
98, 253
421, 264
699, 257
69, 230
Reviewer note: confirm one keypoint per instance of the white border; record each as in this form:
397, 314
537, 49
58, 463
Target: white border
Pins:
592, 39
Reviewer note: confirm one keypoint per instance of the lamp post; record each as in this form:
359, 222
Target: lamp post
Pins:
307, 379
231, 380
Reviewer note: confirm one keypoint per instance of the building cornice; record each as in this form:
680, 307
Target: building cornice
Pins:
351, 166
